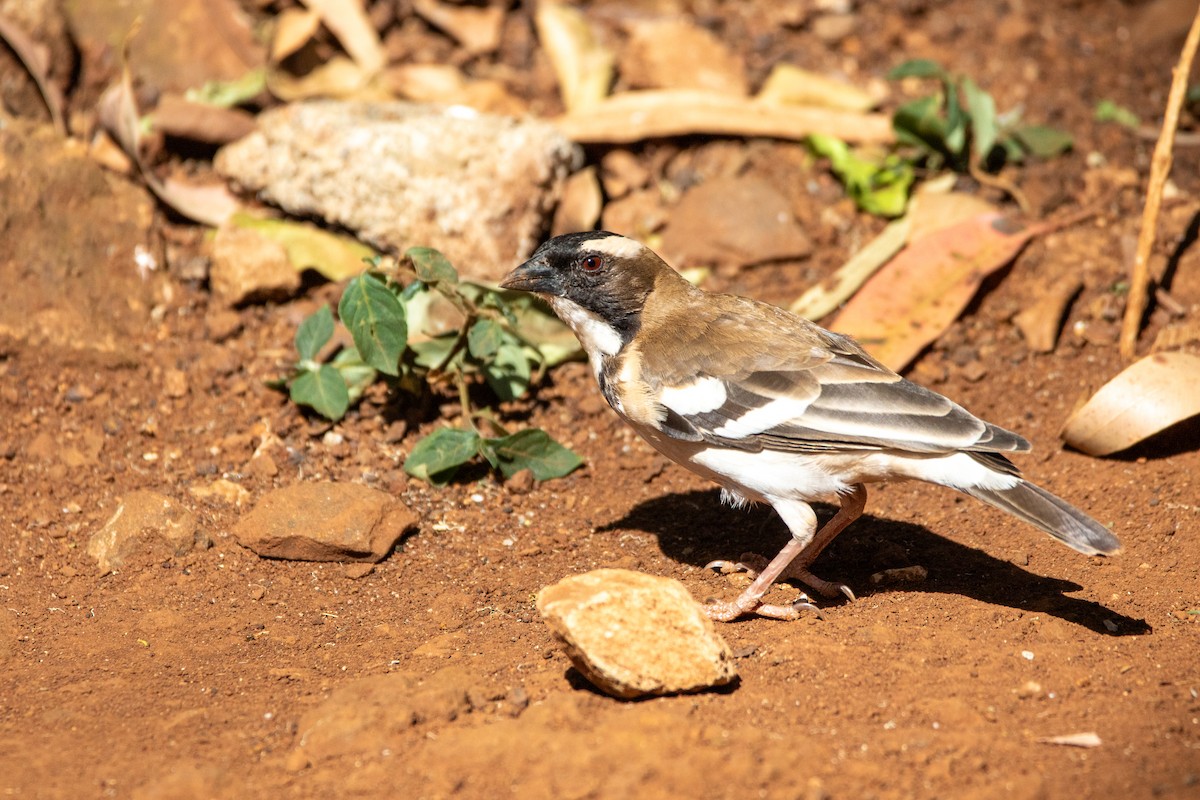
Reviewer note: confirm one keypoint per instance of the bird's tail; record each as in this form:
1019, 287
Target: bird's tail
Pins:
1052, 514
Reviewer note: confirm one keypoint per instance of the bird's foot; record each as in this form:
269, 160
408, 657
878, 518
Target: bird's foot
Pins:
753, 563
747, 603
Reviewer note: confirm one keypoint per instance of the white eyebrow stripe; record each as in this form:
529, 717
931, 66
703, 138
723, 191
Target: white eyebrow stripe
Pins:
615, 246
697, 397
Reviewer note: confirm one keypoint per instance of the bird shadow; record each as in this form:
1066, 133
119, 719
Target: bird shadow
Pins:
696, 527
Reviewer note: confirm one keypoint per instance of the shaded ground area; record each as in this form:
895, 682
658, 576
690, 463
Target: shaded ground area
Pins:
430, 675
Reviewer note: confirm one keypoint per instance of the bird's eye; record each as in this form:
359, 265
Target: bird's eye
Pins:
591, 263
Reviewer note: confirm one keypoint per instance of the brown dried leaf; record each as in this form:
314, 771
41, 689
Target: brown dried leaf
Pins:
790, 85
347, 20
117, 112
678, 54
1148, 396
294, 27
339, 77
913, 299
580, 205
1041, 321
201, 122
476, 29
584, 67
633, 116
36, 59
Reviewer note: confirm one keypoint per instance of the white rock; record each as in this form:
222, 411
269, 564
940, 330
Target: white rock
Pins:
633, 634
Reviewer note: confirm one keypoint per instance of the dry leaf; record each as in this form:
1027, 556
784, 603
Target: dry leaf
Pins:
294, 27
476, 29
927, 205
36, 59
200, 122
633, 116
823, 298
789, 85
1041, 321
335, 256
580, 205
1148, 396
678, 54
347, 20
1089, 739
913, 299
339, 77
584, 67
117, 111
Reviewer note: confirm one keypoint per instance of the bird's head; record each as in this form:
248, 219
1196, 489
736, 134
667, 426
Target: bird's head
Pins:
596, 281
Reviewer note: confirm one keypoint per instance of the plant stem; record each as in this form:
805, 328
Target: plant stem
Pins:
1160, 168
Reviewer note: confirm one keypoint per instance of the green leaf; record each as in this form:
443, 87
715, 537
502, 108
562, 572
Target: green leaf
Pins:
981, 107
431, 352
357, 374
1043, 141
484, 338
323, 391
916, 68
439, 455
918, 123
314, 332
877, 185
1108, 111
336, 256
227, 94
508, 371
376, 320
535, 450
431, 266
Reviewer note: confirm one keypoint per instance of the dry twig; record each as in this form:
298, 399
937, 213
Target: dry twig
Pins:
1160, 168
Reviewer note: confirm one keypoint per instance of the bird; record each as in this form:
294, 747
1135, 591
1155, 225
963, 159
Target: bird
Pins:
774, 408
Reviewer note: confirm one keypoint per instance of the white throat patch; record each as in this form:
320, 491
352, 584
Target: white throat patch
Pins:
598, 338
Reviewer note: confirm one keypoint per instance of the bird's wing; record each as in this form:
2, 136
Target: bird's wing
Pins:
805, 390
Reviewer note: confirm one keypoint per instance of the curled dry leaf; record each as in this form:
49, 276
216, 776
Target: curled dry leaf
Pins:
584, 67
36, 59
200, 122
912, 300
347, 20
338, 78
294, 27
633, 116
1041, 321
476, 29
580, 205
1148, 396
790, 85
1089, 739
210, 204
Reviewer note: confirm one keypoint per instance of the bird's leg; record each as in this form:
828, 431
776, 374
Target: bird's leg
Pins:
852, 508
793, 561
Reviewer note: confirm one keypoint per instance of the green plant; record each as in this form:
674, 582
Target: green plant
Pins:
959, 127
419, 326
878, 183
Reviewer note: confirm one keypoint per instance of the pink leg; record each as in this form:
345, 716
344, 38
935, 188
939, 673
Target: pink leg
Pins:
793, 562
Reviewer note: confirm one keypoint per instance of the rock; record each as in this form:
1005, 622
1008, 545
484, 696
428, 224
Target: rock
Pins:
740, 220
247, 267
374, 714
633, 634
222, 490
145, 524
678, 54
71, 236
913, 574
325, 522
477, 187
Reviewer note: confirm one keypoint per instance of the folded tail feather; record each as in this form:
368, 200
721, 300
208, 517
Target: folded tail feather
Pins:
1055, 516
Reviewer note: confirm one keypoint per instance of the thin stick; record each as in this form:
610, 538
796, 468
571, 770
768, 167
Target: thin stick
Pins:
1160, 167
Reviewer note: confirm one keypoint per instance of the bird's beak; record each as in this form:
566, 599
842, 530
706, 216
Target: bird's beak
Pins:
535, 275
